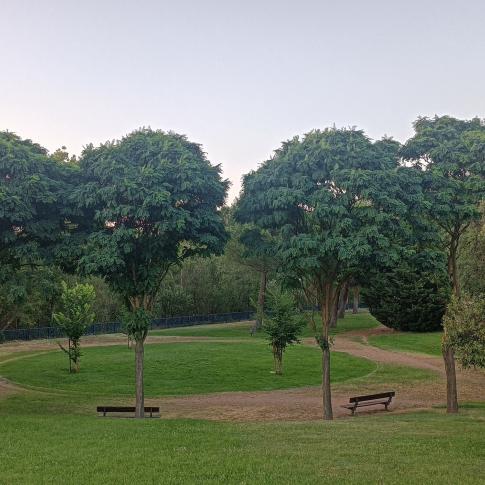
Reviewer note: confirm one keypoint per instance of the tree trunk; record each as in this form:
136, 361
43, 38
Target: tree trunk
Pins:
327, 309
334, 317
261, 299
342, 300
355, 303
140, 398
451, 391
448, 352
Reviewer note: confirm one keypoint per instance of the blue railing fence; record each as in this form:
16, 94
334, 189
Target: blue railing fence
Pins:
37, 333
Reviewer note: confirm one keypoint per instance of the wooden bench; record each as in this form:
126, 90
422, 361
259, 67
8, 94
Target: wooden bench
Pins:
126, 409
384, 398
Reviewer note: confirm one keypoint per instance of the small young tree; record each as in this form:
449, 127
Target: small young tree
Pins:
283, 325
465, 329
75, 316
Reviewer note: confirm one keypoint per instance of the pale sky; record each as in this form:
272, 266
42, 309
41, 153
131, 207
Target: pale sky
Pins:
239, 77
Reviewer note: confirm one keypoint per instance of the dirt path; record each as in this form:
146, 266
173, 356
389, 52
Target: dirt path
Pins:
293, 404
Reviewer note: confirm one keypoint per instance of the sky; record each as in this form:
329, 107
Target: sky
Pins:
238, 77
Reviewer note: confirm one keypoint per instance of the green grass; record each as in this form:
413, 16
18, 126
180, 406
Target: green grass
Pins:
183, 368
385, 448
54, 437
425, 343
351, 322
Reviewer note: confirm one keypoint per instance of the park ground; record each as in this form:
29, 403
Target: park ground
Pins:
225, 418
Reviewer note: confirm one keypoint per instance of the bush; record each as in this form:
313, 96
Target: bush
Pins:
283, 325
411, 296
464, 323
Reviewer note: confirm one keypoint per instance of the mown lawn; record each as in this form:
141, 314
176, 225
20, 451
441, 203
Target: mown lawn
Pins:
385, 448
183, 368
425, 343
351, 322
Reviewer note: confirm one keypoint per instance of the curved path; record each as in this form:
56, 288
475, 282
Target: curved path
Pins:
292, 404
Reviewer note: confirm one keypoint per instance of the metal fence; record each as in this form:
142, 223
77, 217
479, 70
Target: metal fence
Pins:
116, 327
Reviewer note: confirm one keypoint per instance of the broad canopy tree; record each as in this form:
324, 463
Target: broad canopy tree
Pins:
336, 201
154, 199
33, 213
450, 154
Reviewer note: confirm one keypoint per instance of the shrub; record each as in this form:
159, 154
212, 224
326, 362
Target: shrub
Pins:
283, 325
411, 296
464, 323
76, 315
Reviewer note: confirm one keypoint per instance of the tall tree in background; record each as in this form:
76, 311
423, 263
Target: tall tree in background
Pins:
33, 212
155, 200
253, 247
451, 155
332, 197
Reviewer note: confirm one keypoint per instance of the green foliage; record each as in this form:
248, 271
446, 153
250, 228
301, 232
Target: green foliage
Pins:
411, 295
283, 324
450, 154
28, 296
465, 329
199, 286
284, 321
33, 208
136, 323
75, 316
154, 200
471, 259
333, 197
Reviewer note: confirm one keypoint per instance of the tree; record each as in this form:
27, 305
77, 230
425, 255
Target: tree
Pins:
253, 247
75, 316
411, 295
451, 155
283, 325
334, 200
465, 326
154, 199
33, 214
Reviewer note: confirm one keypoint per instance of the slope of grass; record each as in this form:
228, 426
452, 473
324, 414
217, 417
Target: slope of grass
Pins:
425, 343
351, 322
415, 448
183, 368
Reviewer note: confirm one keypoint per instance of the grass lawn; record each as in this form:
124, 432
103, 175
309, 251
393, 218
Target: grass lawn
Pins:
183, 368
425, 343
53, 437
359, 321
385, 448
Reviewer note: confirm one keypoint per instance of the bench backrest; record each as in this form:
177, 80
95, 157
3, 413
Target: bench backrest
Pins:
372, 397
125, 409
